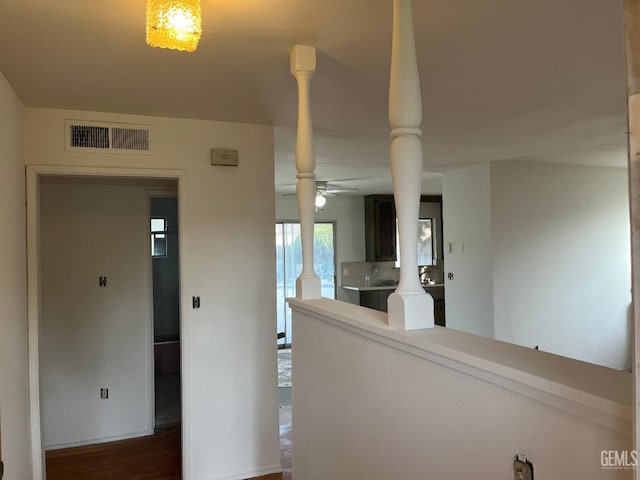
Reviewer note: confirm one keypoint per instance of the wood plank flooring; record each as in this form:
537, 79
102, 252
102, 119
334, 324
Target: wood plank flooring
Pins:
156, 457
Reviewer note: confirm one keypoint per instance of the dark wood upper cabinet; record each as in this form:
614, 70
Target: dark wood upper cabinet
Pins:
380, 228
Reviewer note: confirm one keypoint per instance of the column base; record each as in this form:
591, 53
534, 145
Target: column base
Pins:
410, 311
308, 288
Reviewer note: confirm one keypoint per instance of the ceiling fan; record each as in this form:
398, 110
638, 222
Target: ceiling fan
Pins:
330, 189
326, 189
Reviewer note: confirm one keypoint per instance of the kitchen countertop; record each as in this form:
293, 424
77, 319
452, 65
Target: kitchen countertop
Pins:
362, 288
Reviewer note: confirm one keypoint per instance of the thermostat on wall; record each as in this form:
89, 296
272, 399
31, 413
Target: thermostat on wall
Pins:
228, 158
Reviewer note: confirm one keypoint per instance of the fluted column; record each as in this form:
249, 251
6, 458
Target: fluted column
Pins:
410, 307
303, 66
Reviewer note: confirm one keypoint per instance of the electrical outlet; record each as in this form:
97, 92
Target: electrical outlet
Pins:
104, 393
522, 468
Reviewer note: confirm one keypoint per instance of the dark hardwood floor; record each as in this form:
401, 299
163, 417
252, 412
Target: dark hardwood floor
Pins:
156, 457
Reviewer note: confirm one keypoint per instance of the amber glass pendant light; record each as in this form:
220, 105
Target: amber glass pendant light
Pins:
175, 24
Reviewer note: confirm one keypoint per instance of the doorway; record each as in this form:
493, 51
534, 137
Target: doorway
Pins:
164, 244
289, 266
95, 335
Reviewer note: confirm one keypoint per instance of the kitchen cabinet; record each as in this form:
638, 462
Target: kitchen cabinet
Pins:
380, 228
375, 299
381, 231
437, 293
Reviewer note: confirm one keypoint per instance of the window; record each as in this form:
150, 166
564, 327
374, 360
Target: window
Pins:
158, 237
426, 242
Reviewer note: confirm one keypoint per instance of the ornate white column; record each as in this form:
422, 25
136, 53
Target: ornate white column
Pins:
303, 66
410, 307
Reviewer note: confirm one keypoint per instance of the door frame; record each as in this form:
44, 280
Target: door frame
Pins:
32, 179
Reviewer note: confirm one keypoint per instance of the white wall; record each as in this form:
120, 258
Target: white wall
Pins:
348, 213
14, 395
230, 398
466, 202
363, 409
561, 260
546, 257
94, 337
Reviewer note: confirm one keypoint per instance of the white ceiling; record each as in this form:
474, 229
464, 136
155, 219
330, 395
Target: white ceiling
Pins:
501, 79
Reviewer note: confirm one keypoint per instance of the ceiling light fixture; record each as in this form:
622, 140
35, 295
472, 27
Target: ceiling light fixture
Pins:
321, 200
175, 24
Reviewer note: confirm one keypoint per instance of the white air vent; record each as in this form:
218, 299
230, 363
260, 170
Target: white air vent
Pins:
83, 136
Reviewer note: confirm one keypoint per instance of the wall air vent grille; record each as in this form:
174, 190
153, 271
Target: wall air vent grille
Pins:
130, 138
83, 136
86, 136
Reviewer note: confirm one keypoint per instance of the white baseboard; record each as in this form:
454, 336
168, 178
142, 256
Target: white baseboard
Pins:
93, 441
246, 474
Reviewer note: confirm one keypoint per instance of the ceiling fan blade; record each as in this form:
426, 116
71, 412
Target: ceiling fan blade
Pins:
326, 189
341, 189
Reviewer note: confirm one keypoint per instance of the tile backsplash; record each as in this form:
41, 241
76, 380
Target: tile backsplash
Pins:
354, 273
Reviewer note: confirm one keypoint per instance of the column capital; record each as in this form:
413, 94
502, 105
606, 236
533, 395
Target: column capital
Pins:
302, 59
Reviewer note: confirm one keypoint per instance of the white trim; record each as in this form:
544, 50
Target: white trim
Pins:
608, 412
185, 339
93, 441
33, 173
33, 310
151, 379
246, 474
